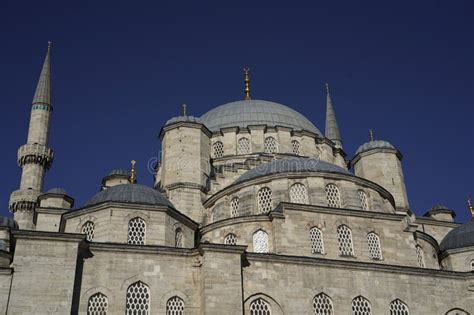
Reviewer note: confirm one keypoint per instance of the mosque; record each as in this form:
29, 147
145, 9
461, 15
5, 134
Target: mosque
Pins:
253, 210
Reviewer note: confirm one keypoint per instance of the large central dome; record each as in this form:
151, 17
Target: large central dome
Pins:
256, 112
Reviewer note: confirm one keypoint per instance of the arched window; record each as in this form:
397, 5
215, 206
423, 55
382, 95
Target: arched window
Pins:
298, 193
322, 305
260, 242
457, 311
218, 149
363, 200
175, 306
397, 307
98, 304
420, 256
472, 265
178, 238
138, 299
316, 239
296, 147
88, 230
136, 231
333, 196
270, 145
234, 207
230, 239
264, 197
243, 146
344, 236
361, 306
260, 307
373, 242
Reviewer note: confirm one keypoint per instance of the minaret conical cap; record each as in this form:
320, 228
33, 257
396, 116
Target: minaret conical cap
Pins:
332, 130
43, 89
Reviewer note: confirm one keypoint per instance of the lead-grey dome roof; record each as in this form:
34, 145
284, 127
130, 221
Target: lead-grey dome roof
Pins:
119, 172
255, 112
291, 165
8, 222
130, 193
57, 190
374, 144
462, 236
184, 119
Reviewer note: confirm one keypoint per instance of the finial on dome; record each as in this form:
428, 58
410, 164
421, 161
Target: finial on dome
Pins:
247, 83
470, 207
371, 133
185, 110
133, 176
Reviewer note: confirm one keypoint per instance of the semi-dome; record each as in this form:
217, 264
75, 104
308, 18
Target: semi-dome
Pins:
462, 236
256, 112
374, 144
130, 193
291, 165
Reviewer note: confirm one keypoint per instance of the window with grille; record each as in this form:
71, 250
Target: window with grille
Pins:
264, 197
361, 306
344, 236
373, 241
397, 307
218, 149
175, 306
98, 305
178, 238
298, 193
243, 146
88, 230
420, 256
322, 305
333, 196
230, 239
363, 200
316, 239
260, 242
260, 307
296, 146
270, 145
138, 299
457, 311
234, 207
472, 265
136, 231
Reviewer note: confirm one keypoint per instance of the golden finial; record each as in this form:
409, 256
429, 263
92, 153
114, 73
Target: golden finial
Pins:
371, 133
133, 177
247, 83
470, 207
185, 112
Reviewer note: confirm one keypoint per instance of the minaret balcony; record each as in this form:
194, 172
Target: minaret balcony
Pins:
35, 153
23, 200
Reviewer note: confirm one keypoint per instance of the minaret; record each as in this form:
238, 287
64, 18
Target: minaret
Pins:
332, 130
34, 157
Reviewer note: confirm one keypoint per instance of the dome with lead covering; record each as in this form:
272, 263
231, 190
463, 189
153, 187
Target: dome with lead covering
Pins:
291, 165
256, 112
119, 172
462, 236
57, 191
374, 144
8, 222
130, 193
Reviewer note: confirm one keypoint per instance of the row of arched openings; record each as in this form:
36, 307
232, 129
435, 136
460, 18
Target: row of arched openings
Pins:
298, 194
270, 145
137, 302
136, 234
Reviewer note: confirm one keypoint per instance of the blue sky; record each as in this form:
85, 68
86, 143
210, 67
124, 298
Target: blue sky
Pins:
122, 68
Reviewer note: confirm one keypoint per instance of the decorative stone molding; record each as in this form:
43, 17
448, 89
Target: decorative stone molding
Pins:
24, 200
35, 153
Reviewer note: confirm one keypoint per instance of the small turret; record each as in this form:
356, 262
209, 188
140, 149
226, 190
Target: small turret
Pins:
380, 162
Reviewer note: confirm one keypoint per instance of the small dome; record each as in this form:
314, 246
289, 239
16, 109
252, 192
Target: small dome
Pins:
462, 236
57, 191
291, 165
8, 222
119, 172
374, 144
255, 112
130, 193
183, 118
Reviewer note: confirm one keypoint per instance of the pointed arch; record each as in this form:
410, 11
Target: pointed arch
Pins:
322, 304
138, 299
98, 304
361, 306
